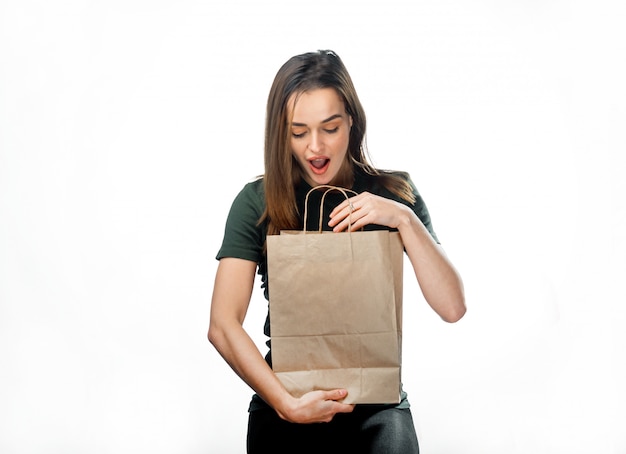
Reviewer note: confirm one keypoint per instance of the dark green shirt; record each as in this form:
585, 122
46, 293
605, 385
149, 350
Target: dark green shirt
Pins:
244, 237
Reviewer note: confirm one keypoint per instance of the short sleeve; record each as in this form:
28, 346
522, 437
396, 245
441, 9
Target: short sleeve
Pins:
420, 209
243, 236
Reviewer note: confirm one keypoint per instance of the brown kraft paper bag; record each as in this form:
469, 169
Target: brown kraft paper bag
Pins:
336, 311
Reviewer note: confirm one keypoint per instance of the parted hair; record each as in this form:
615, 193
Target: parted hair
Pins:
302, 73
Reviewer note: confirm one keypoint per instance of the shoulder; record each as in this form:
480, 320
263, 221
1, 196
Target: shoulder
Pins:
383, 183
244, 235
254, 189
397, 186
251, 197
248, 206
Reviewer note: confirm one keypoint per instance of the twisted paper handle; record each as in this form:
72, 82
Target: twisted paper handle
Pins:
328, 188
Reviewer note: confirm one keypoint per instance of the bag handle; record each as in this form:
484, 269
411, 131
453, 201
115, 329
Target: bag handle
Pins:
328, 188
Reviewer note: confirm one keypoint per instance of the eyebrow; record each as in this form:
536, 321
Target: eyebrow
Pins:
331, 118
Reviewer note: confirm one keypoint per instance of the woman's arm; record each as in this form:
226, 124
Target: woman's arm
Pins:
440, 282
231, 296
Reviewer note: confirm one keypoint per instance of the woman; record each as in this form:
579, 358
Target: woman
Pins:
315, 129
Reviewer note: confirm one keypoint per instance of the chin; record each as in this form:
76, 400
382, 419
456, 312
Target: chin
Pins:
317, 180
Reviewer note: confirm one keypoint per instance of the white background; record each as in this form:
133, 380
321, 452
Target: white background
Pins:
127, 127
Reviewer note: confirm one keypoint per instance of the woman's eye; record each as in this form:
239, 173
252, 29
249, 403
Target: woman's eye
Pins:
332, 131
298, 135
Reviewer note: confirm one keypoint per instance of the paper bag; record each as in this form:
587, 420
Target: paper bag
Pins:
336, 312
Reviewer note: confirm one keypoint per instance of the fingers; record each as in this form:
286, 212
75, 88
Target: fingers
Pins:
345, 215
366, 209
345, 408
347, 205
320, 406
335, 394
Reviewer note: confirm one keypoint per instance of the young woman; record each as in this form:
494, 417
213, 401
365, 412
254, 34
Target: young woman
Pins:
314, 135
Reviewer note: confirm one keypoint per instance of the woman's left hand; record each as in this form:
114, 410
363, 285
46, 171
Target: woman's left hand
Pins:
367, 209
440, 282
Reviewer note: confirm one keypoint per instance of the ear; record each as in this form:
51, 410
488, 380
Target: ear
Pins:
350, 118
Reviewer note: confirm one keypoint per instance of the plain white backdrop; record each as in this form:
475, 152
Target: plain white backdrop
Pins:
127, 127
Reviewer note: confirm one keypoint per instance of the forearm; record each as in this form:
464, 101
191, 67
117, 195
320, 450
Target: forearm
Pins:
243, 356
440, 282
231, 296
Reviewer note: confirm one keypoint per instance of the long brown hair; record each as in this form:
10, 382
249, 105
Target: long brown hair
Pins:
313, 70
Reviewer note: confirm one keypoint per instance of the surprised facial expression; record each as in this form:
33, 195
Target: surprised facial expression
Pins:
320, 133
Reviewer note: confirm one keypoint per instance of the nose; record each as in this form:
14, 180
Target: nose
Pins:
315, 144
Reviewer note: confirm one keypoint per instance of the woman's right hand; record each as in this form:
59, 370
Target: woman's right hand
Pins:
316, 407
231, 296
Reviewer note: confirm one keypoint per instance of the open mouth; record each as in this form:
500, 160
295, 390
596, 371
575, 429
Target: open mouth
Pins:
320, 165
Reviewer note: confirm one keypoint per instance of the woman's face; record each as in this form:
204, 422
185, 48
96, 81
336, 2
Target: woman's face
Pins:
320, 132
